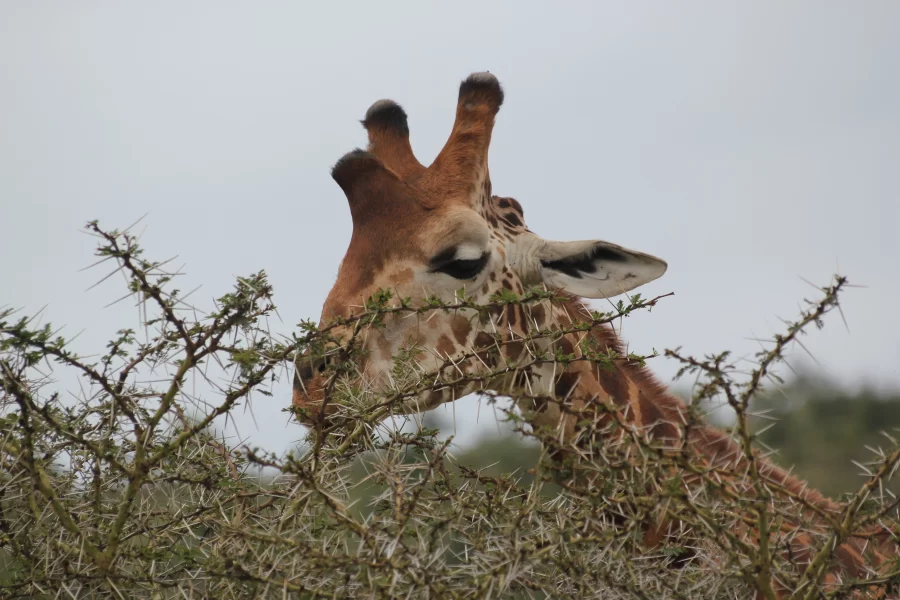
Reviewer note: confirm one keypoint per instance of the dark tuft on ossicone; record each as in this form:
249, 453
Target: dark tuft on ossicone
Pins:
352, 165
387, 114
484, 87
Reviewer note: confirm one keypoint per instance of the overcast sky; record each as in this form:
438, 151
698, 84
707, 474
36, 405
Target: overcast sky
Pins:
749, 145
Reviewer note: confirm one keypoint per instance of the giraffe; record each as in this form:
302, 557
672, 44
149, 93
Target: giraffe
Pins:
429, 231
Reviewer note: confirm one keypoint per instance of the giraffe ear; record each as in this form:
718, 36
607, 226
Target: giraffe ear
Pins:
596, 269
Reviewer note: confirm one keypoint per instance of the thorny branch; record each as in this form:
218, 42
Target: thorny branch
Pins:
126, 488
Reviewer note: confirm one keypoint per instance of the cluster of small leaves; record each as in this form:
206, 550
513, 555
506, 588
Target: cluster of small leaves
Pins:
122, 489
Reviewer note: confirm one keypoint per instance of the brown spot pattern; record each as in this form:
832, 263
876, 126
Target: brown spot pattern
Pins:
538, 314
565, 385
515, 349
485, 346
461, 328
445, 346
511, 315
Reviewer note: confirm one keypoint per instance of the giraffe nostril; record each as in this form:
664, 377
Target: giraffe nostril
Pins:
304, 371
308, 367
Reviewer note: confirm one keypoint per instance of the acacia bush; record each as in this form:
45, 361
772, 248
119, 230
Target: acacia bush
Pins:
120, 487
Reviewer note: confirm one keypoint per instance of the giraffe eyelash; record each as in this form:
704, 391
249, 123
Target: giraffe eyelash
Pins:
461, 268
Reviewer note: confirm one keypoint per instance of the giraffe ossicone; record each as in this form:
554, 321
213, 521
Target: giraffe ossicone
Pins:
424, 232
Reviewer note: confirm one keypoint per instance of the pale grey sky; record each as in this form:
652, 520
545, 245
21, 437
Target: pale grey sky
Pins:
749, 145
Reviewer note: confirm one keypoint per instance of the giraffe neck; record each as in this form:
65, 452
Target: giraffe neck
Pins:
587, 397
590, 395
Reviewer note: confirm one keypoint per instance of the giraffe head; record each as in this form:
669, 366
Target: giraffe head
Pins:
429, 232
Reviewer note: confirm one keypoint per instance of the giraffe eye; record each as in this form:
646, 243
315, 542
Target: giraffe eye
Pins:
463, 268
